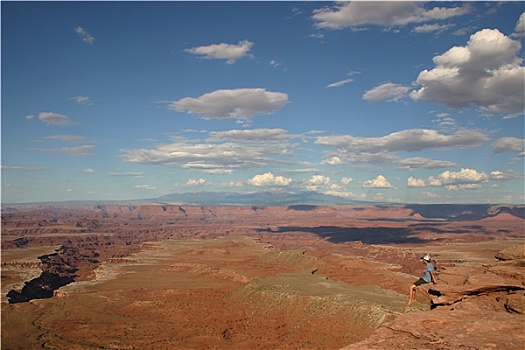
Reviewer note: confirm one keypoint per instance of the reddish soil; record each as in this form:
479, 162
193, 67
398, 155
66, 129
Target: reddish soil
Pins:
154, 276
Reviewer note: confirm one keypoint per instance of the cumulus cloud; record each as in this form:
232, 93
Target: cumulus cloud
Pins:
234, 103
520, 26
388, 91
465, 179
269, 179
346, 180
379, 182
413, 182
229, 52
79, 151
84, 35
463, 176
509, 144
196, 182
88, 171
319, 180
486, 73
336, 190
50, 118
316, 181
409, 140
334, 160
385, 14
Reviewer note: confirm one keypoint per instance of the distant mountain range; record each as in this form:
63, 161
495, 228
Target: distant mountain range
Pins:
450, 212
263, 198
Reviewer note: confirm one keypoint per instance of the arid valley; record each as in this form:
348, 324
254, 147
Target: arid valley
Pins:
168, 276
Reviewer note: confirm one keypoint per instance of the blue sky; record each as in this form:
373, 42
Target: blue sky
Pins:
378, 101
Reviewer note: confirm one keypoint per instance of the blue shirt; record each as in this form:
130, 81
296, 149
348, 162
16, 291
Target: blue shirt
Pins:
427, 276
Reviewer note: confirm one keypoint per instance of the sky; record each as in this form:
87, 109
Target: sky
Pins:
412, 102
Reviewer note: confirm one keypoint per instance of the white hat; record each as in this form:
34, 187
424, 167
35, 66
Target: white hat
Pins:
426, 257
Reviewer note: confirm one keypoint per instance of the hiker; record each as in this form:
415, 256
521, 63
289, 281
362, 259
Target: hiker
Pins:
427, 277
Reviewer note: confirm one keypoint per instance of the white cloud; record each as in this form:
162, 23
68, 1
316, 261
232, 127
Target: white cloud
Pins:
509, 144
65, 138
50, 118
333, 161
386, 157
196, 182
21, 168
463, 187
430, 195
409, 140
235, 103
319, 180
430, 28
223, 151
145, 187
88, 171
218, 171
340, 83
316, 181
79, 151
387, 14
274, 63
388, 91
486, 73
413, 182
130, 174
453, 181
84, 35
336, 190
520, 26
498, 175
252, 135
83, 100
379, 182
463, 176
346, 180
29, 116
269, 179
229, 52
422, 162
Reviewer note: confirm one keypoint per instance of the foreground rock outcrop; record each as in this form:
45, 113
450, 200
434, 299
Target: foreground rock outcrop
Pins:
473, 307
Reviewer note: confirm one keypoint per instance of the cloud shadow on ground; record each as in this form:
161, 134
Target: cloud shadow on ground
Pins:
367, 235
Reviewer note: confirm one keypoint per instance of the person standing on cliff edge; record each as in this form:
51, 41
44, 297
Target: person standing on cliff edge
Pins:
427, 277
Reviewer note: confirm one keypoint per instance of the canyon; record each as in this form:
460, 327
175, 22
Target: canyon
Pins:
145, 275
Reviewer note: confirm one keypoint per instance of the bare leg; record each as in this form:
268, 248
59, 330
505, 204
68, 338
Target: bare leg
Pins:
412, 294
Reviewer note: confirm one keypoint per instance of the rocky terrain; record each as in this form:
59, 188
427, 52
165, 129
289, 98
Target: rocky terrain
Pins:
165, 276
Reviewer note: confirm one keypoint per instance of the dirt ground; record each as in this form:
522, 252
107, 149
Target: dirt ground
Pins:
261, 289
